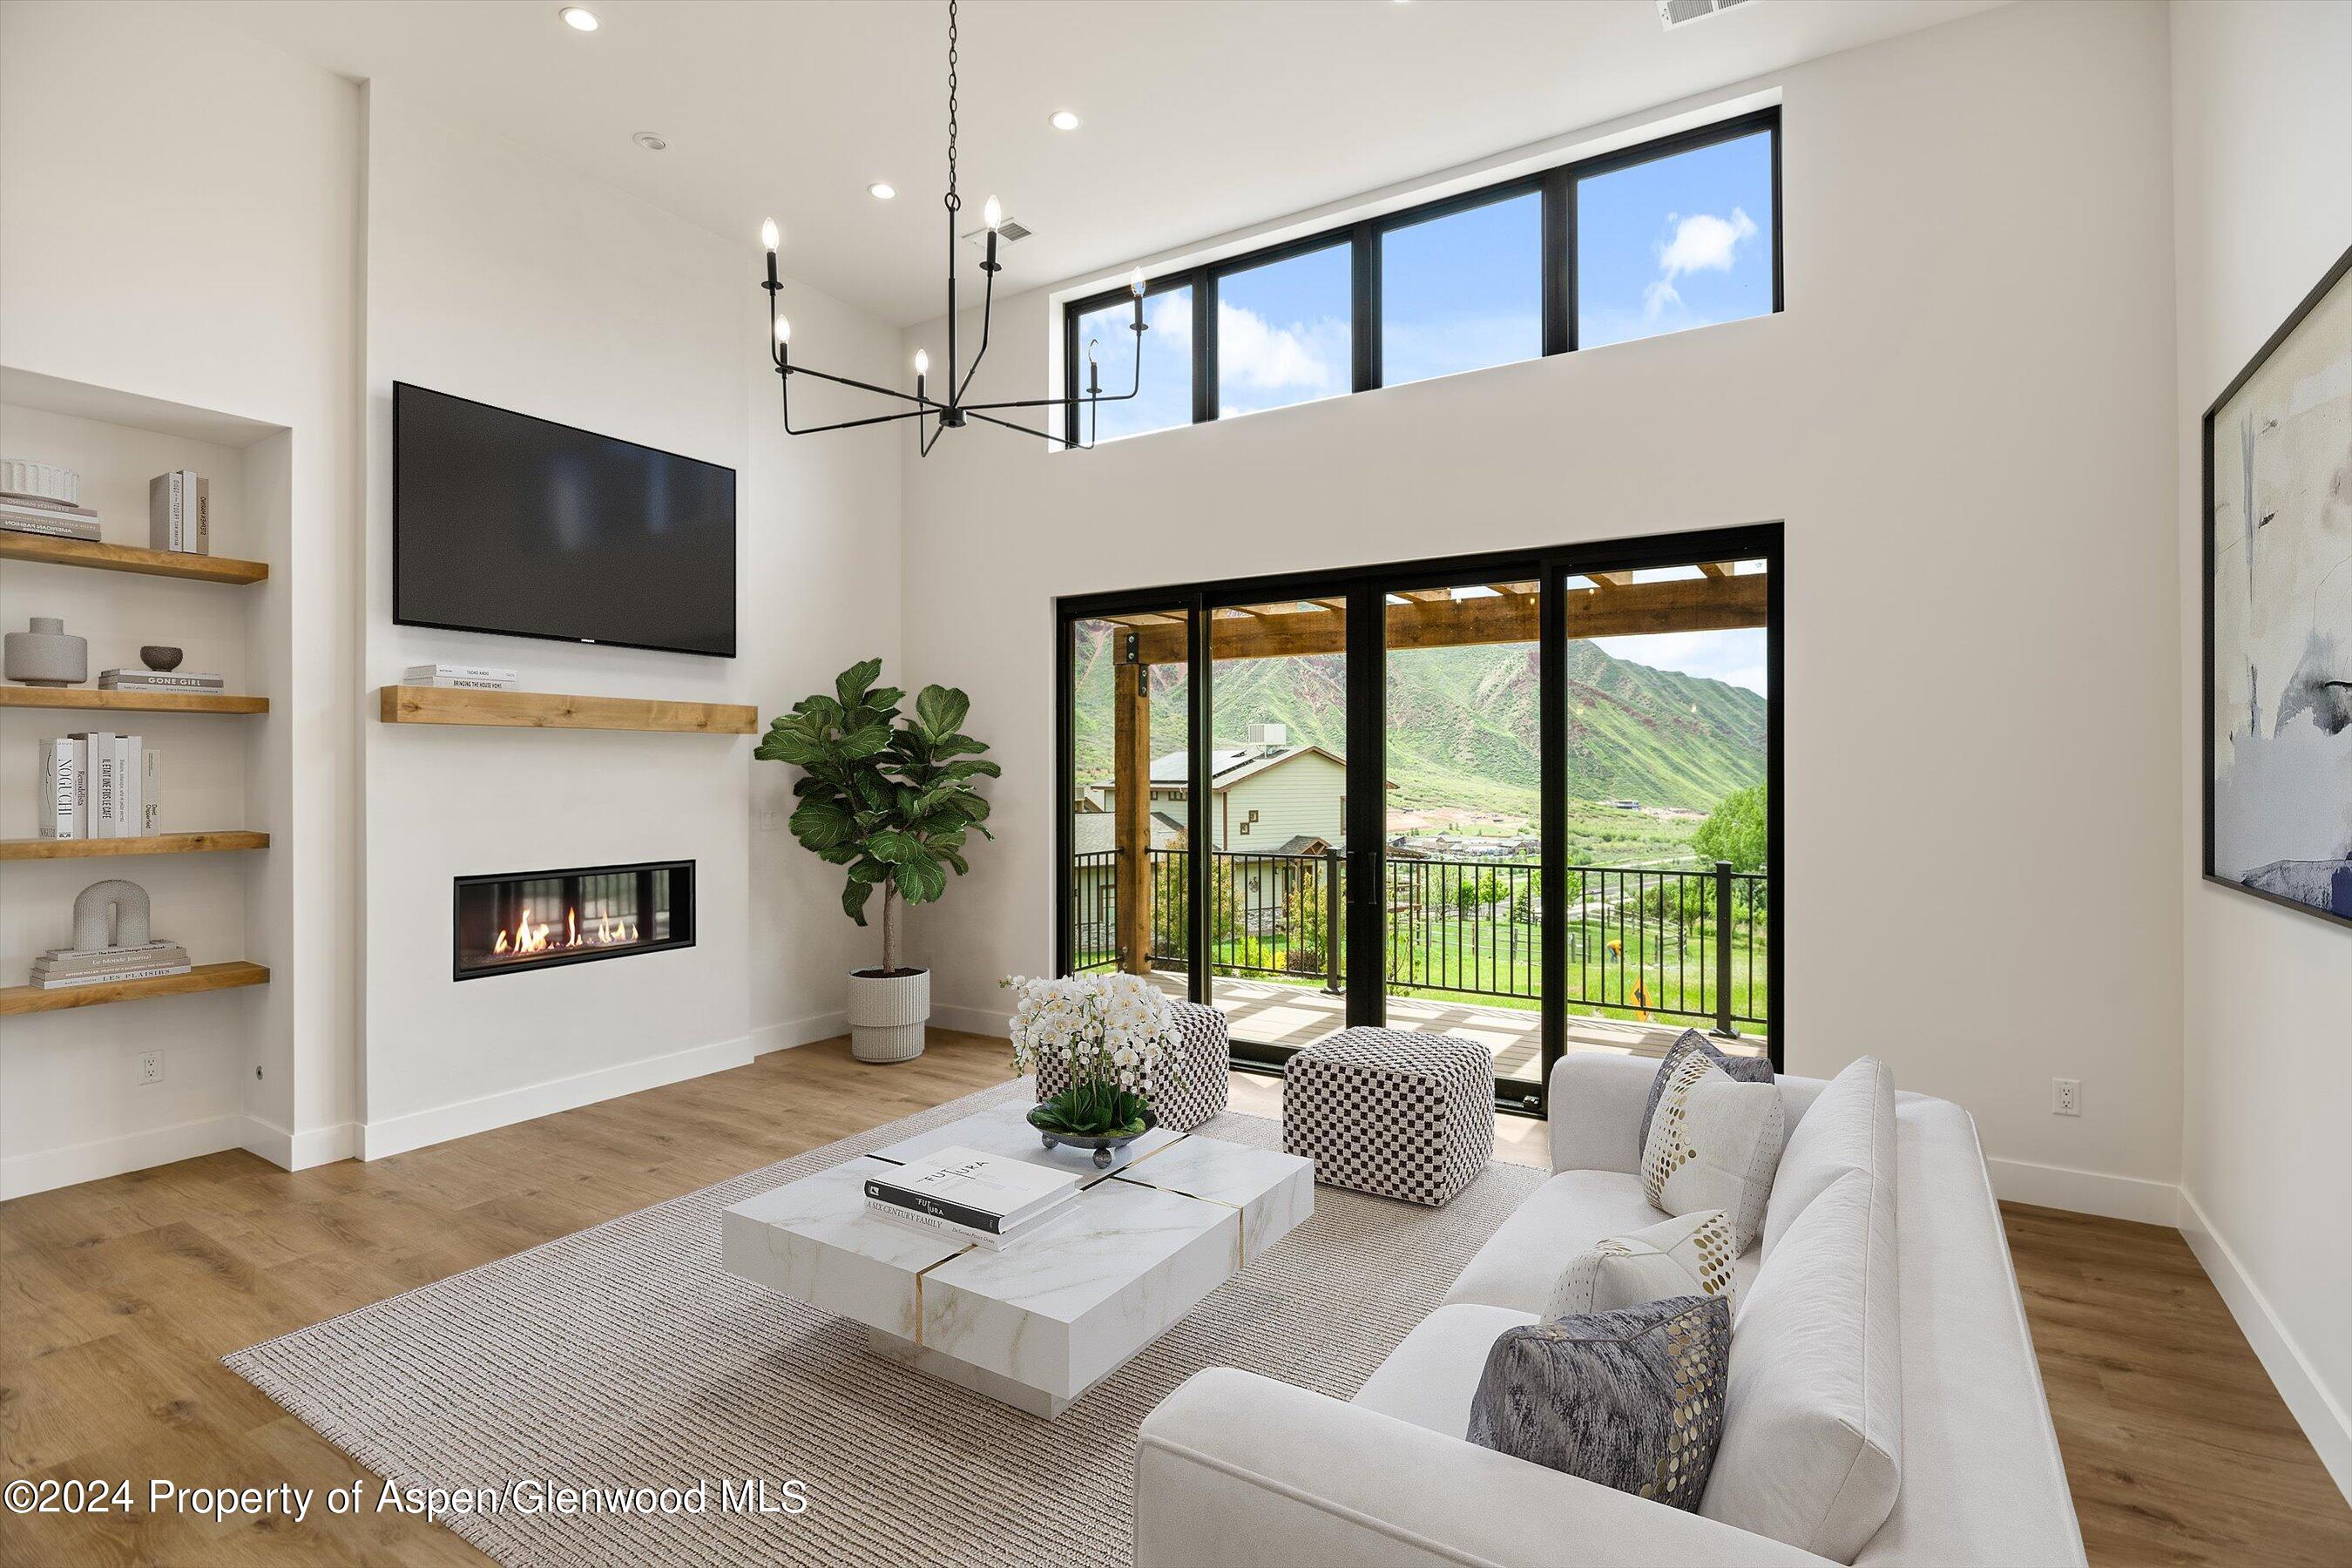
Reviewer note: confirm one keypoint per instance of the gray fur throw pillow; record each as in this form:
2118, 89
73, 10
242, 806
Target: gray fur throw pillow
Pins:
1631, 1400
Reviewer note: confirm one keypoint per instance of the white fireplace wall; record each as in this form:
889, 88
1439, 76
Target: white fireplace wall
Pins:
494, 275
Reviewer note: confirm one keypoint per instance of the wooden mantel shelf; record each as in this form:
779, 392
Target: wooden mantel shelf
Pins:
128, 558
550, 710
203, 977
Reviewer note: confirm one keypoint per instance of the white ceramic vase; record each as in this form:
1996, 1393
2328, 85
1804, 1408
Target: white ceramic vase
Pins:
887, 1014
45, 655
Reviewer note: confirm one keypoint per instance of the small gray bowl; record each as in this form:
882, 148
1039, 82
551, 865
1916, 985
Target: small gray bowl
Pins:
159, 658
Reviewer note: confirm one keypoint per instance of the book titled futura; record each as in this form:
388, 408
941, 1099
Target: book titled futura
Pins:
978, 1191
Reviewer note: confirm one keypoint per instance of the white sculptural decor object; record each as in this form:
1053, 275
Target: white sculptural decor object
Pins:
113, 913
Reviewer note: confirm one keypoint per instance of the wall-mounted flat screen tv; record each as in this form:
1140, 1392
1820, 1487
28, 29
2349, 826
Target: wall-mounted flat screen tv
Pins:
501, 522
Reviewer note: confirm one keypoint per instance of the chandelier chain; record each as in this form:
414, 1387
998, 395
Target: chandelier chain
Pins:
955, 203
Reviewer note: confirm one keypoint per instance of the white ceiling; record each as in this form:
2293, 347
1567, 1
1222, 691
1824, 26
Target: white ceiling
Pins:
1200, 116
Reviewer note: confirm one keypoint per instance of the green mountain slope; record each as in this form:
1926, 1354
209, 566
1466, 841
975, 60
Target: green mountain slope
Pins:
1463, 723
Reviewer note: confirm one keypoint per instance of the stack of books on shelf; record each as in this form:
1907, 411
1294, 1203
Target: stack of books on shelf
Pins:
98, 784
158, 680
986, 1199
22, 513
180, 512
471, 677
64, 966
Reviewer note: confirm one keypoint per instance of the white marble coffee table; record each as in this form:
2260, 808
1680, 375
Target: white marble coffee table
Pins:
1038, 1322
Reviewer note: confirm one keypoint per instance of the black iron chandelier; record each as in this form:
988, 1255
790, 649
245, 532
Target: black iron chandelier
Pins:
955, 413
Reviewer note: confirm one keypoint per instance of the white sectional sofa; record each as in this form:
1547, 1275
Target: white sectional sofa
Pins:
1881, 1427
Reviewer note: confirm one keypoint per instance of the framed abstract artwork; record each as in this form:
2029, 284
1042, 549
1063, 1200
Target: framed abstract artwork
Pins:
2278, 614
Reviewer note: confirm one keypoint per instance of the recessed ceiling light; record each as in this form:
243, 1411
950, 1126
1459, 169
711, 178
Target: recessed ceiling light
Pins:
880, 191
651, 141
579, 18
1063, 120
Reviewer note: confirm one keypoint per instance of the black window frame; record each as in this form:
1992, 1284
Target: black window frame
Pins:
1558, 186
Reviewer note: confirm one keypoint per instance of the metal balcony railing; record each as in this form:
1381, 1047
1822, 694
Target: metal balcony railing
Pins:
1681, 943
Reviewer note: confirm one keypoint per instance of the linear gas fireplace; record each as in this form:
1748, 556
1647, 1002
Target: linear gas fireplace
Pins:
535, 919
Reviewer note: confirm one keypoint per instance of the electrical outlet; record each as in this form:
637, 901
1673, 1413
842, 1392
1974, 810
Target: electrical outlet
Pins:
2065, 1096
151, 1066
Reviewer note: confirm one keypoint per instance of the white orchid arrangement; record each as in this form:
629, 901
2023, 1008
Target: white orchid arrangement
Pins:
1113, 1032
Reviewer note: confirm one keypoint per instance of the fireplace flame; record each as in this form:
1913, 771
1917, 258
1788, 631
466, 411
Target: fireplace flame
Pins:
528, 937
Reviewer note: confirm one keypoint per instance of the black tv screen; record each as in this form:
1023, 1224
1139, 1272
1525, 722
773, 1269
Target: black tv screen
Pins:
501, 522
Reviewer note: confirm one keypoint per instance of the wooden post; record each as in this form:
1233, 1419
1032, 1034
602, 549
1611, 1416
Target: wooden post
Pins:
1131, 804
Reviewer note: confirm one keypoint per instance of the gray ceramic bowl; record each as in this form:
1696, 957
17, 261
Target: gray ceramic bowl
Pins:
160, 658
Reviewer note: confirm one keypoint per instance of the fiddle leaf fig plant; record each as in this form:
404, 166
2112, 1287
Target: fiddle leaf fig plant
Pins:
888, 797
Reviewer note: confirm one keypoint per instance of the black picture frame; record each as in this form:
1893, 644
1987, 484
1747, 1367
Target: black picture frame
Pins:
2334, 276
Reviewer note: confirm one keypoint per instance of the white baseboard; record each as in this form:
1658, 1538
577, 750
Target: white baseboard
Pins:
398, 1134
47, 1168
2086, 1192
974, 1020
2320, 1414
300, 1151
795, 1032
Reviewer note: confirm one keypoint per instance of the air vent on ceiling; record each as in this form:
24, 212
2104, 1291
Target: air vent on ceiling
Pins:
1009, 230
1673, 14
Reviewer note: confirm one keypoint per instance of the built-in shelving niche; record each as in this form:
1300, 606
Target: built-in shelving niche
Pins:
226, 764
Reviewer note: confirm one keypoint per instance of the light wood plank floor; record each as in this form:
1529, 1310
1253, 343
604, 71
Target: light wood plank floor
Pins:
118, 1298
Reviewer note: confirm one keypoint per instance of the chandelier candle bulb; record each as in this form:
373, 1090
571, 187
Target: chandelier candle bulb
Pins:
769, 239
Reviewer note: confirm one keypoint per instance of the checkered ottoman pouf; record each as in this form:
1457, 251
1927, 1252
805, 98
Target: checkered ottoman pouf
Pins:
1192, 1084
1390, 1111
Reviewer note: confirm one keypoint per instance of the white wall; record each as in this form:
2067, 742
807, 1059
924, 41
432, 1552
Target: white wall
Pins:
2263, 201
177, 220
1964, 418
191, 216
497, 276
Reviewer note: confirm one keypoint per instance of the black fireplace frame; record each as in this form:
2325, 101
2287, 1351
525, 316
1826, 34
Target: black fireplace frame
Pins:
683, 930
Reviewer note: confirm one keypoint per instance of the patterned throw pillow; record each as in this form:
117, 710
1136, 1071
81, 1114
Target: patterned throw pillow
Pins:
1746, 1069
1715, 1144
1690, 1255
1631, 1400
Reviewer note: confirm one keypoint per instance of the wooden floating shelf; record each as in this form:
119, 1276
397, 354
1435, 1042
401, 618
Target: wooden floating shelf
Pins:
548, 710
203, 977
130, 701
148, 844
127, 558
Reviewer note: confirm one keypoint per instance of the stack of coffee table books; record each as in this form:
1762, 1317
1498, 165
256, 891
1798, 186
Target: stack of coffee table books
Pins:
971, 1194
65, 966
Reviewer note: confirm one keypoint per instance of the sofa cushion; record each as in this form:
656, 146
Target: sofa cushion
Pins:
1522, 1260
1714, 1144
1690, 1042
1429, 1378
1813, 1445
1850, 1127
1631, 1400
1689, 1256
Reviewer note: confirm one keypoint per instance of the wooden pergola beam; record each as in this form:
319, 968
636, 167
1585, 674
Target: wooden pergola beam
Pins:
1131, 793
1636, 609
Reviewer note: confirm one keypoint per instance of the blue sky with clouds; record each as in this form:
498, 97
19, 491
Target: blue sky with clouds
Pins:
1678, 242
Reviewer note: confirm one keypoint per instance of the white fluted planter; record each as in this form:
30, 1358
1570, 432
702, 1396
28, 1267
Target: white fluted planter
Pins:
887, 1014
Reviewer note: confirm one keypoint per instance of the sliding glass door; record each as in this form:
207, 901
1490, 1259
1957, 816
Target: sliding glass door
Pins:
1462, 838
1529, 800
1279, 779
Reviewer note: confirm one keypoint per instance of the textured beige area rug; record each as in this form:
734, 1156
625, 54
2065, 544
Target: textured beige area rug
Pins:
626, 1357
